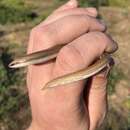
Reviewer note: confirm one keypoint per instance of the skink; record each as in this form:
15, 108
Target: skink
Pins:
51, 53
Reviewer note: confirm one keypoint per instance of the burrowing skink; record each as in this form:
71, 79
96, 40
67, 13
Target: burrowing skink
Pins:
51, 53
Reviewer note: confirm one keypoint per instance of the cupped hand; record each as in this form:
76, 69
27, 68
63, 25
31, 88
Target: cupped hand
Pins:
76, 106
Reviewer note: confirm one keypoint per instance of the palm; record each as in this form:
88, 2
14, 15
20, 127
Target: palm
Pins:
57, 102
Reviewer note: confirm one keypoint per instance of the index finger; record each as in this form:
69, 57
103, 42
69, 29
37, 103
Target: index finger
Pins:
62, 31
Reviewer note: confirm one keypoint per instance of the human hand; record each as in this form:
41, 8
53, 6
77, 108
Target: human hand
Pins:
69, 107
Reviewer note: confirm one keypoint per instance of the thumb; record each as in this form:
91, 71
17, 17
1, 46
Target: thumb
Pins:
97, 99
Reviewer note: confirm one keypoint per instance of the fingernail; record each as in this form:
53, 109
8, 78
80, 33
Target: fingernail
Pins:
72, 3
92, 11
102, 22
104, 26
113, 47
104, 73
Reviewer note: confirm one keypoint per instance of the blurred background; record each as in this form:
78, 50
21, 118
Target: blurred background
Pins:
18, 17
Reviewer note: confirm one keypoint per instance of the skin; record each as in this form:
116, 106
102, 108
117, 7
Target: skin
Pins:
78, 106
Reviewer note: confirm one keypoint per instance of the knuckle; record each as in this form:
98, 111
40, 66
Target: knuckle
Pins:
108, 44
40, 33
100, 82
86, 18
33, 31
101, 39
80, 10
81, 17
70, 57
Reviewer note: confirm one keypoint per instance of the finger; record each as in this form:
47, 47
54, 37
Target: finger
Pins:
80, 53
92, 11
62, 31
70, 4
83, 51
80, 24
74, 11
96, 98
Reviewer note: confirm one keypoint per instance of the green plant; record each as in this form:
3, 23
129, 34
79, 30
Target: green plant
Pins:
13, 11
12, 99
119, 3
115, 76
98, 3
115, 120
9, 78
